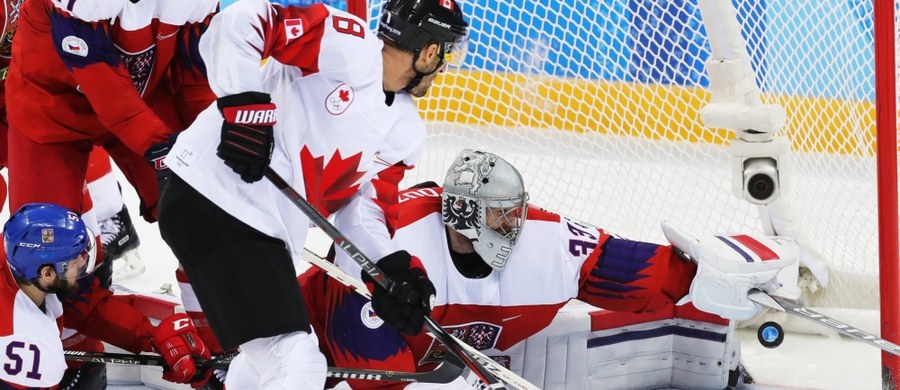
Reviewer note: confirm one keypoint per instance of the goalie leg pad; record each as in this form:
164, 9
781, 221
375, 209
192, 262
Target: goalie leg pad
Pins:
704, 363
673, 347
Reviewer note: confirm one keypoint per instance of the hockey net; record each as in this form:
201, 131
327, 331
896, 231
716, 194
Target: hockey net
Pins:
596, 102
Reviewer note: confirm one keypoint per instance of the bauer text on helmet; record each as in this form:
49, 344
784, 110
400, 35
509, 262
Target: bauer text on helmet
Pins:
413, 24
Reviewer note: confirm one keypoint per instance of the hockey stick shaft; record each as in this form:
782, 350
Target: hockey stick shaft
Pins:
445, 373
139, 360
480, 364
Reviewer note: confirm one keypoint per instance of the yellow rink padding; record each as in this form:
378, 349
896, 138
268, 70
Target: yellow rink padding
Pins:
638, 110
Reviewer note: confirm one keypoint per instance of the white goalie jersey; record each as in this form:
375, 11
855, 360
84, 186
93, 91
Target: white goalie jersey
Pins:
519, 316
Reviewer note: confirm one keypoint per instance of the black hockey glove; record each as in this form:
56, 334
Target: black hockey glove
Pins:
409, 300
155, 155
247, 140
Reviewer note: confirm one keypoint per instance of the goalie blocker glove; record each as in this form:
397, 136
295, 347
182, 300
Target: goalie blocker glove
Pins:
247, 133
729, 266
410, 298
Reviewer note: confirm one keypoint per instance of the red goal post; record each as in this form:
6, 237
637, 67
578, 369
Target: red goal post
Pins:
886, 100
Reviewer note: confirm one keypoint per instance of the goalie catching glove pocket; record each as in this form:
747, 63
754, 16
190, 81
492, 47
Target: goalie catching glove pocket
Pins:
176, 339
411, 296
247, 133
729, 266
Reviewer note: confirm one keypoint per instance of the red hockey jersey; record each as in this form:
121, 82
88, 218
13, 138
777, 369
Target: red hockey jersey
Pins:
9, 17
82, 69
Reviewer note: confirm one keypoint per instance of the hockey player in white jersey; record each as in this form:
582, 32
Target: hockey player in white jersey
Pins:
502, 270
49, 255
327, 104
32, 278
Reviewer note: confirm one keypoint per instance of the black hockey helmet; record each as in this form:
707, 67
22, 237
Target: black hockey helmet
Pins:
413, 24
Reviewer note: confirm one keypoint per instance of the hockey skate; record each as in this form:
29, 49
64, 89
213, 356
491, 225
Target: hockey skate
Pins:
120, 242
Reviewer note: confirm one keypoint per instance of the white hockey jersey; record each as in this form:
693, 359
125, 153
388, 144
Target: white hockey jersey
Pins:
505, 307
29, 337
334, 134
555, 259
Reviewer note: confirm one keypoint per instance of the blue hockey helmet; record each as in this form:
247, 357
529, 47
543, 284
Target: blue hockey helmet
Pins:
41, 234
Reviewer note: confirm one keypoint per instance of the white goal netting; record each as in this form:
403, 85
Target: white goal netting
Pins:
597, 104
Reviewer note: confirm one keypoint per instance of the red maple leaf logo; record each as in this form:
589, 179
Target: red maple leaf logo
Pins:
330, 186
344, 95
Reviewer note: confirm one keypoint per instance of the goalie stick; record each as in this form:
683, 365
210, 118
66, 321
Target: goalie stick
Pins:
446, 372
793, 308
484, 367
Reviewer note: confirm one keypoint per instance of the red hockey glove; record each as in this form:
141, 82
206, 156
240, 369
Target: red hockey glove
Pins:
409, 300
247, 135
176, 339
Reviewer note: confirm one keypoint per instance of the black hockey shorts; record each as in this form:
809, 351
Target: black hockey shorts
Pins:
244, 280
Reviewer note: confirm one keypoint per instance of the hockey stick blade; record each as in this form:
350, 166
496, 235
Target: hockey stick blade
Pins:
798, 310
481, 365
446, 372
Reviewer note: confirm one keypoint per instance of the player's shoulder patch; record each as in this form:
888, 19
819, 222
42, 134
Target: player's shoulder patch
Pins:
90, 10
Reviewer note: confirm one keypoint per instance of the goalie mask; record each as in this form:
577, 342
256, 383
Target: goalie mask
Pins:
484, 199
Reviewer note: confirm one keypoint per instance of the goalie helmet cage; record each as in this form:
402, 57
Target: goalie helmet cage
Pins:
597, 103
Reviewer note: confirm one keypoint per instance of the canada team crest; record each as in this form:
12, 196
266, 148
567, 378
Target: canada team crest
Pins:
339, 100
293, 29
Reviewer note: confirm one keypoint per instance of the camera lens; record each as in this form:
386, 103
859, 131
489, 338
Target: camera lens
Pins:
760, 186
